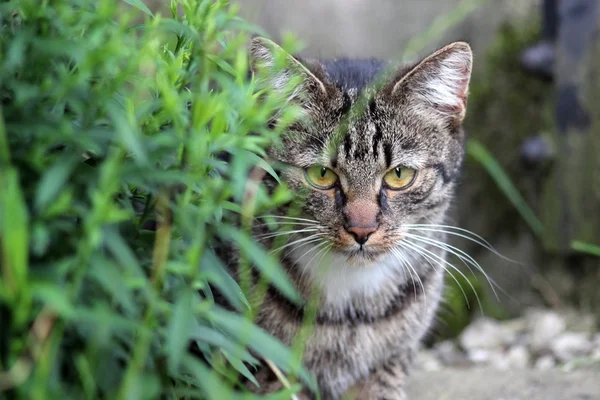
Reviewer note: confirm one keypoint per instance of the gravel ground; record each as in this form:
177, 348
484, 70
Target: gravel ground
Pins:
540, 340
545, 355
491, 384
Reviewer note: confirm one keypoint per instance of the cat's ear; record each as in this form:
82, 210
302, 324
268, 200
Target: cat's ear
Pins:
284, 73
440, 83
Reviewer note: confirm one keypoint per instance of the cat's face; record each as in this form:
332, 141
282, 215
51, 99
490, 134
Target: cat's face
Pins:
367, 161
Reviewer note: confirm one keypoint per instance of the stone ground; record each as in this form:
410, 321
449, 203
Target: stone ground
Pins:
492, 384
544, 355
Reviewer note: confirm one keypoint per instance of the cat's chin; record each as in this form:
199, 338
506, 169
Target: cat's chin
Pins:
363, 257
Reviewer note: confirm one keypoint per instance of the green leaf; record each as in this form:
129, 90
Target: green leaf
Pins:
179, 331
213, 386
54, 180
14, 231
497, 173
122, 252
214, 337
259, 162
239, 366
178, 28
129, 134
139, 4
266, 263
110, 278
101, 316
267, 346
592, 249
55, 297
217, 274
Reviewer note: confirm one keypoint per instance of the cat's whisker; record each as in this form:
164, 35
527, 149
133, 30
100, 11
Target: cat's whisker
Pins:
452, 227
324, 249
402, 245
461, 255
288, 218
276, 234
306, 268
448, 229
310, 249
442, 262
429, 259
315, 236
284, 223
406, 264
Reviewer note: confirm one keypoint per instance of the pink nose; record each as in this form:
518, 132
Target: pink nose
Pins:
361, 233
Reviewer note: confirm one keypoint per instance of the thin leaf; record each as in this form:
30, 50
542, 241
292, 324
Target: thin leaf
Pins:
179, 330
110, 278
239, 366
261, 342
139, 4
212, 336
217, 274
14, 231
213, 386
53, 181
259, 162
592, 249
54, 296
497, 173
264, 262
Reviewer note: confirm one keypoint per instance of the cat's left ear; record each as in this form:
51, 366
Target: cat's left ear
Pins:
285, 74
439, 83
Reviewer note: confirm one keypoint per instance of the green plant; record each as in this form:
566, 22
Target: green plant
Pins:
588, 248
107, 129
488, 162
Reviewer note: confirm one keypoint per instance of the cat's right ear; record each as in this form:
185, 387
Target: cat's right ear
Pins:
439, 84
275, 68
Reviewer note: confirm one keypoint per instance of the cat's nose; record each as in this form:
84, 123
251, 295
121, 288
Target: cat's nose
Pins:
361, 233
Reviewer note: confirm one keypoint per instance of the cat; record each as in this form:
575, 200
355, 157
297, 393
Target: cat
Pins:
376, 161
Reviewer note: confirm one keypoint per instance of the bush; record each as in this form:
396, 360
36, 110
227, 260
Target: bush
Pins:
113, 192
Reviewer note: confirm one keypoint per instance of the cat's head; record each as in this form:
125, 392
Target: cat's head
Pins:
376, 151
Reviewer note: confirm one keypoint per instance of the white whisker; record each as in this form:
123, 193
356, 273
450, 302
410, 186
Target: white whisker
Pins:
429, 254
276, 234
461, 255
288, 218
410, 270
448, 229
308, 239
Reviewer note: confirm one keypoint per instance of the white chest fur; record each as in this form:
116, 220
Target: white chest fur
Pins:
341, 280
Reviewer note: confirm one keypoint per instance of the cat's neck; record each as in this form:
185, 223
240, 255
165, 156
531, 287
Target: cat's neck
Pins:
342, 282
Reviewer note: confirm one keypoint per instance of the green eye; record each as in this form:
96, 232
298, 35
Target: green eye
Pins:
400, 178
320, 177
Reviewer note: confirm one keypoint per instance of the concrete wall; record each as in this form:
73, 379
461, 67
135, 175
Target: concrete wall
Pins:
379, 28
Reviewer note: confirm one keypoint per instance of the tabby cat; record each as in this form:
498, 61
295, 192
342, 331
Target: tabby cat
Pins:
376, 162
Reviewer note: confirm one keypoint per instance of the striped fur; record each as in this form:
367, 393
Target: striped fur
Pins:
378, 299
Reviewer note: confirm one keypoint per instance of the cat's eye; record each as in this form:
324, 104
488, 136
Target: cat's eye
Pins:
320, 177
400, 178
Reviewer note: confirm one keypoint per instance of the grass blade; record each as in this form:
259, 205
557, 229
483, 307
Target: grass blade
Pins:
497, 173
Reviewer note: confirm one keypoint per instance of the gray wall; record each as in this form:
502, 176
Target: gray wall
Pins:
378, 28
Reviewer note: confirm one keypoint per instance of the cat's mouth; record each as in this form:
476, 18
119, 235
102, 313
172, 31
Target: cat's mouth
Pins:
363, 253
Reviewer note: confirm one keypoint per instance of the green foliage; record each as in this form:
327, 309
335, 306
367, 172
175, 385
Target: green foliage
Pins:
504, 183
112, 194
506, 106
587, 248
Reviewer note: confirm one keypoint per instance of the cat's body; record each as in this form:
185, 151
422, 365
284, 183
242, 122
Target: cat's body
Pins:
379, 284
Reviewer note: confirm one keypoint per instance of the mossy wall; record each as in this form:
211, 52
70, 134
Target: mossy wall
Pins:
507, 106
